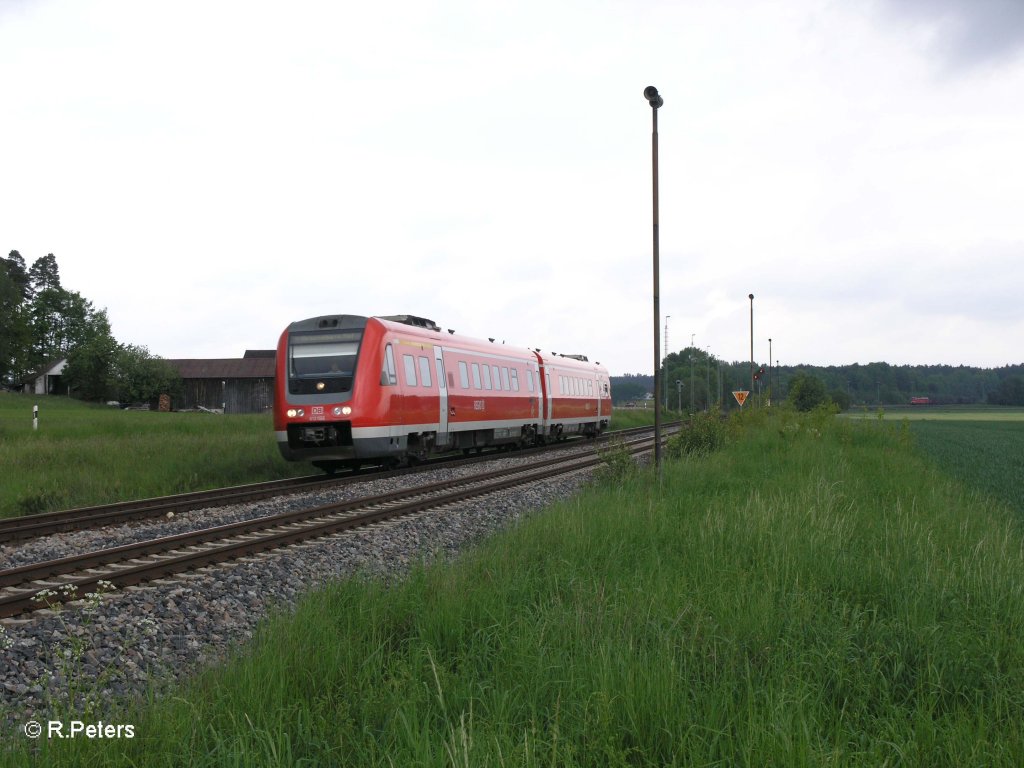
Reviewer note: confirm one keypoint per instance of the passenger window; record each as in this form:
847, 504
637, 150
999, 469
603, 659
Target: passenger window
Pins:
388, 376
590, 388
504, 378
463, 374
410, 369
497, 377
476, 376
425, 372
529, 379
515, 380
487, 377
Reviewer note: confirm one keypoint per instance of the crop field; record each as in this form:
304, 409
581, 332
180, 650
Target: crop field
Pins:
940, 413
981, 446
987, 456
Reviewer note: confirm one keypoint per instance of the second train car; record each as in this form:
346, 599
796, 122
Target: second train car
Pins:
352, 389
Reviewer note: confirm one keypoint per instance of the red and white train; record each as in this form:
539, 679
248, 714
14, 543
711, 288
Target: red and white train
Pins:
353, 389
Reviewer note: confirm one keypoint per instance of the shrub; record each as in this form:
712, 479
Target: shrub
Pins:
705, 434
617, 464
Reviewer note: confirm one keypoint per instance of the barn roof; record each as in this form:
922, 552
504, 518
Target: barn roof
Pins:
43, 370
225, 368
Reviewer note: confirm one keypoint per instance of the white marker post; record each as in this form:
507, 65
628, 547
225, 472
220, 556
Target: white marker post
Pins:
35, 417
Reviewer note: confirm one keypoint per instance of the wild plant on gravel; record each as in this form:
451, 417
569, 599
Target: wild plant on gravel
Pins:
75, 645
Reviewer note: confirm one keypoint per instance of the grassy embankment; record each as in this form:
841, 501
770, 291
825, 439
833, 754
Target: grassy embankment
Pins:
88, 454
815, 593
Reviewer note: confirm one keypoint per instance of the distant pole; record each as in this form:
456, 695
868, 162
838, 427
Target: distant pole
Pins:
692, 409
655, 100
665, 357
771, 392
707, 370
665, 353
751, 297
35, 417
679, 390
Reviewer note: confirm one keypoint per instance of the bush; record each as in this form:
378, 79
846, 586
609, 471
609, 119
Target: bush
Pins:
705, 434
617, 464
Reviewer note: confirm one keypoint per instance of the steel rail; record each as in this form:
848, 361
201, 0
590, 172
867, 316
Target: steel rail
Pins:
395, 504
13, 530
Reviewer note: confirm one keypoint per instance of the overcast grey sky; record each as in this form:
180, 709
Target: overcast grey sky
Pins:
211, 171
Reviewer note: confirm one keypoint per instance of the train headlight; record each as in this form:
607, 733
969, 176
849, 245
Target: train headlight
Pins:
346, 411
320, 386
337, 410
291, 413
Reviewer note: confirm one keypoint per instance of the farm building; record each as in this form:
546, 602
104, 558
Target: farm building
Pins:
237, 385
46, 380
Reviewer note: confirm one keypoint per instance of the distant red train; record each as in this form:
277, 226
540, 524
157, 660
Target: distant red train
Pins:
353, 389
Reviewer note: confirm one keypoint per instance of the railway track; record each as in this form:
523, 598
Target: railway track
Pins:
71, 578
13, 530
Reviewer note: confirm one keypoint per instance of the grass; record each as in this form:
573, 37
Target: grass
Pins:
85, 454
815, 593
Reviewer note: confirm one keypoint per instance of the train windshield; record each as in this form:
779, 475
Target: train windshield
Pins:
326, 360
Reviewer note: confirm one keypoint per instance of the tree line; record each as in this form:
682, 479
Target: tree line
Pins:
692, 377
42, 322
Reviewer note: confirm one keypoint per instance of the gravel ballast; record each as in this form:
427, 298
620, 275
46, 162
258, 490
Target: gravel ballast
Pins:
145, 638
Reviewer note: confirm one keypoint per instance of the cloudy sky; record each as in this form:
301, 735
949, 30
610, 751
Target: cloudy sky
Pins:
210, 171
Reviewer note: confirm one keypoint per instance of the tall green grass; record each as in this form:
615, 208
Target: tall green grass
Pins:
812, 594
87, 454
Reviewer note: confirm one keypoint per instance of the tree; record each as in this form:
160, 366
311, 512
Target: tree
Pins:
90, 365
1009, 392
140, 376
44, 274
60, 320
14, 330
807, 392
840, 398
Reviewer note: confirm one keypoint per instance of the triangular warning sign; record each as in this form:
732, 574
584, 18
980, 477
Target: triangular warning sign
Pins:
741, 396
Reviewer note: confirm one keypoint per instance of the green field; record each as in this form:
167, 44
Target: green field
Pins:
89, 454
819, 592
981, 446
987, 456
86, 454
940, 413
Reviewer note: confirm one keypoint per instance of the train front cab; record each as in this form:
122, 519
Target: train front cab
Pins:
318, 363
349, 390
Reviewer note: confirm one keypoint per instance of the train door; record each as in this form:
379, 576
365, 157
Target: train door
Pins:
549, 402
442, 392
535, 411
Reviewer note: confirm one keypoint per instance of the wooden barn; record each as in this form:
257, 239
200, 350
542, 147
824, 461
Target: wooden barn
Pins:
236, 385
